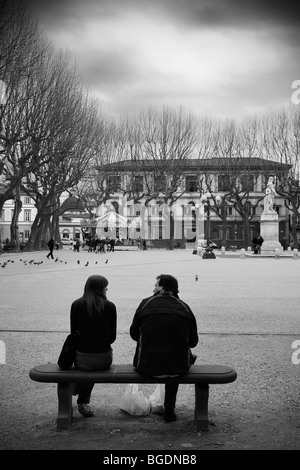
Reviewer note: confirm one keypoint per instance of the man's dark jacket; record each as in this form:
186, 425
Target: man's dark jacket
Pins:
165, 329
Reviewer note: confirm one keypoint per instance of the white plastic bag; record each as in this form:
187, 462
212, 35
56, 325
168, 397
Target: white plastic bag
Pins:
157, 399
134, 401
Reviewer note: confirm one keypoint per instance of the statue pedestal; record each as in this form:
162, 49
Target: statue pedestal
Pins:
201, 245
269, 230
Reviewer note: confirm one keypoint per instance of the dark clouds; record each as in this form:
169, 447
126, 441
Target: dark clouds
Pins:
238, 12
207, 12
221, 57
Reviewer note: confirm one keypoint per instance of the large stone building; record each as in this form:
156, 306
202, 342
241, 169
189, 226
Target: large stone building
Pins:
151, 194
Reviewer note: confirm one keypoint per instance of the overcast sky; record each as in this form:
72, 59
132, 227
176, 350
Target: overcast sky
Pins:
221, 58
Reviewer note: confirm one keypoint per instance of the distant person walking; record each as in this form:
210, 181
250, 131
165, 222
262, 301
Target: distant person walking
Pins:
50, 245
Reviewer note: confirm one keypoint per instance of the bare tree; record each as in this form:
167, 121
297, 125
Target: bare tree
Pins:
97, 185
69, 124
238, 172
281, 147
22, 51
166, 140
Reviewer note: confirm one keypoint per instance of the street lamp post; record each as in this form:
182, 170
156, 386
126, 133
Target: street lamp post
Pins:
203, 240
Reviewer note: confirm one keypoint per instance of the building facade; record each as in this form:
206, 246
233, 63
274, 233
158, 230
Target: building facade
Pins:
157, 214
26, 218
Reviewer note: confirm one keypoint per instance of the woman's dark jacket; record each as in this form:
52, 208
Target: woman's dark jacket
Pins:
165, 329
97, 333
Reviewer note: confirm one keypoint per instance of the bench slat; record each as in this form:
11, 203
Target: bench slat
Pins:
125, 373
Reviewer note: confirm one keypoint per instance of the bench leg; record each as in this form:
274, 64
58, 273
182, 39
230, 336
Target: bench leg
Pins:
201, 407
65, 411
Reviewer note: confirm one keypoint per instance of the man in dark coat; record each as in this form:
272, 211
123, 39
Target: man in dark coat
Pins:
112, 244
165, 329
257, 242
260, 241
50, 245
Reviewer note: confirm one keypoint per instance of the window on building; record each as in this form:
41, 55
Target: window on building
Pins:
247, 183
27, 200
27, 216
137, 184
264, 181
130, 210
114, 183
66, 234
248, 207
229, 211
26, 234
224, 183
191, 184
159, 183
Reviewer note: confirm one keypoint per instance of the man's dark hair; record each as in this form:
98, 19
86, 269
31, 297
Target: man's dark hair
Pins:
168, 282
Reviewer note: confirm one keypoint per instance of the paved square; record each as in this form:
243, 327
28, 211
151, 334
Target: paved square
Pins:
248, 317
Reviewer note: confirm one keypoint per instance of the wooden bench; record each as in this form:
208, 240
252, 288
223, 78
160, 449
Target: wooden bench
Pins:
199, 375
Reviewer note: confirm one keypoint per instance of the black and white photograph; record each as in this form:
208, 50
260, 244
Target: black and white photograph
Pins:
149, 228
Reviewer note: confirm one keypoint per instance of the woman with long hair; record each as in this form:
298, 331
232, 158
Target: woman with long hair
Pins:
94, 318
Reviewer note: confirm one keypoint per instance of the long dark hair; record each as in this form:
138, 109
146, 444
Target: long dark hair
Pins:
94, 294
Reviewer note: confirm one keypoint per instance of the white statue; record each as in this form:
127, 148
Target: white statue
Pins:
270, 196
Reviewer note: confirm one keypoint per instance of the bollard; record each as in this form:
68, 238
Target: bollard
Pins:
243, 253
277, 253
295, 253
